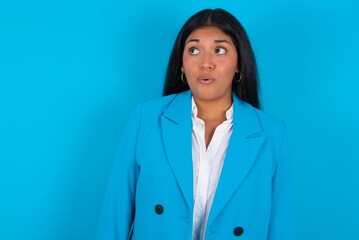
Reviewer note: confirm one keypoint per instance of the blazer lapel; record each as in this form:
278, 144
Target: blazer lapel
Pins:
243, 147
176, 125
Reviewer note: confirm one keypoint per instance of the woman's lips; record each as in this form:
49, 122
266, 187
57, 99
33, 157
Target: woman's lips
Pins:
205, 80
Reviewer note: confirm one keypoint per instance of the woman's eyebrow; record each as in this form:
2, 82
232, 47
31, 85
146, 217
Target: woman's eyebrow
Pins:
221, 41
193, 40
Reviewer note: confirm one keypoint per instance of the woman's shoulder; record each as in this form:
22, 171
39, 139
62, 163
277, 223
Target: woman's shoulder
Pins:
270, 124
157, 106
267, 119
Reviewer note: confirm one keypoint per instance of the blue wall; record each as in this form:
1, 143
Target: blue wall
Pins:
72, 71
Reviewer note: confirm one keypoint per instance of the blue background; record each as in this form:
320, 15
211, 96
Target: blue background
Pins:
72, 71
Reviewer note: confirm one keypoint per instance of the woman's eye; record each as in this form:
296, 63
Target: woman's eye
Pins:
193, 51
220, 50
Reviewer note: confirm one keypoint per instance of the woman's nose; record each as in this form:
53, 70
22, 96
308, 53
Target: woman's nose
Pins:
207, 62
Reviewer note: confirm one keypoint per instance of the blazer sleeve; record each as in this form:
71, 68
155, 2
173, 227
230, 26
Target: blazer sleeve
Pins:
281, 221
118, 209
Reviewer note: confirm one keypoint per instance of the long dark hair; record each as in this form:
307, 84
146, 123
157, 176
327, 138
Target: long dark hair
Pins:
247, 88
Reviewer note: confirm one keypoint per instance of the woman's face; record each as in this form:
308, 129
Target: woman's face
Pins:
209, 64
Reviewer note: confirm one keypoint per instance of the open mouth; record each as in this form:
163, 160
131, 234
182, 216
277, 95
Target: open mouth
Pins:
205, 80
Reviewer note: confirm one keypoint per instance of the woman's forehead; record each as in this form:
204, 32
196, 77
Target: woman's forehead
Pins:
208, 31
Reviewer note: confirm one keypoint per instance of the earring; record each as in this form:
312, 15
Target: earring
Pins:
182, 74
240, 78
182, 77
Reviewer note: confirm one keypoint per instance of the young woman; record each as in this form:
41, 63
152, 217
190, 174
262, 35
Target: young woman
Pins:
202, 162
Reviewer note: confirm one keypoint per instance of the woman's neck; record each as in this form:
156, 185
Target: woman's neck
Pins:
213, 113
215, 110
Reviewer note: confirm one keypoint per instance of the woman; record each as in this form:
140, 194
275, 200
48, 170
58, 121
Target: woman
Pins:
203, 162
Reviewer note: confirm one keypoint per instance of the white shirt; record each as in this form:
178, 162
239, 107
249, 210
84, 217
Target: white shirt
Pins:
207, 167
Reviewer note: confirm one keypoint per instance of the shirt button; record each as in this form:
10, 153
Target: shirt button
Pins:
159, 209
238, 231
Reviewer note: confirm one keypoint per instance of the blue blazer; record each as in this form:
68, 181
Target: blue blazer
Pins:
150, 194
